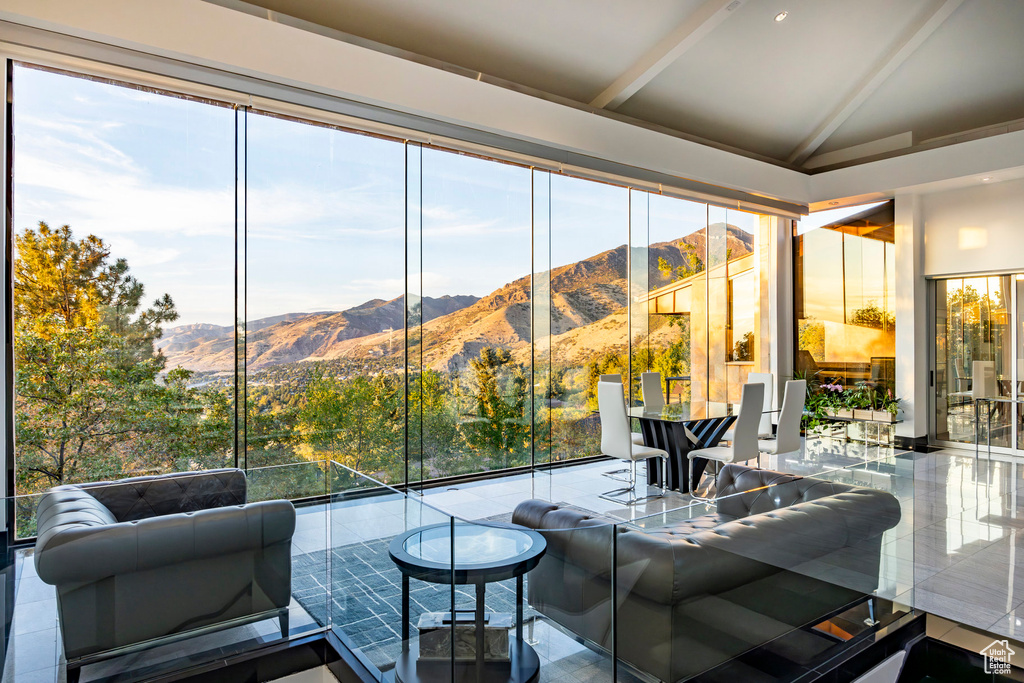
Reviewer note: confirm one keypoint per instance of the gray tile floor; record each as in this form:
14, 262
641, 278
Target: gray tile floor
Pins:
954, 553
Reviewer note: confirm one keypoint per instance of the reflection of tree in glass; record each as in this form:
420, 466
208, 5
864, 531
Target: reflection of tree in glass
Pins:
811, 334
692, 264
743, 349
976, 321
872, 315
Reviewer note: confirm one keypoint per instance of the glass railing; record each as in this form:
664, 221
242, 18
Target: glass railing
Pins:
779, 571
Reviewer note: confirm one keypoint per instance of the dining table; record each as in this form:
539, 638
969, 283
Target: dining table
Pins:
678, 428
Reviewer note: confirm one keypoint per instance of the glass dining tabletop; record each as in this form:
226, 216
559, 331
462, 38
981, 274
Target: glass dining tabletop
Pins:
682, 412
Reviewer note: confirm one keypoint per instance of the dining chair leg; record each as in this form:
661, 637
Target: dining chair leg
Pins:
630, 492
692, 487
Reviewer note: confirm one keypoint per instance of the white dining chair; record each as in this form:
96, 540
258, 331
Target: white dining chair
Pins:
744, 444
637, 438
650, 385
764, 427
616, 441
787, 438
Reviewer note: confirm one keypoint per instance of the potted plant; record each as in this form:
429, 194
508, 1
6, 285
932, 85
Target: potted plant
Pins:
888, 407
817, 407
862, 402
832, 398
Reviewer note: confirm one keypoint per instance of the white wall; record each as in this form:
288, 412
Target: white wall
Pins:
976, 229
912, 334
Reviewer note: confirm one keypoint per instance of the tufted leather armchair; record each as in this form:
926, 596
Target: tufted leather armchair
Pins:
149, 557
779, 553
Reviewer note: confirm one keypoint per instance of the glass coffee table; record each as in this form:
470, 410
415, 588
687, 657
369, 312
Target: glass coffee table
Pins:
481, 554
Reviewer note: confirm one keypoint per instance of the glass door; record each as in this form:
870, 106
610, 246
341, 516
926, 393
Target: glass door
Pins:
975, 361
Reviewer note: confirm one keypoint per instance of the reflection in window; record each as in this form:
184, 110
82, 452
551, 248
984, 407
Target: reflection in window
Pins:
845, 303
742, 302
973, 359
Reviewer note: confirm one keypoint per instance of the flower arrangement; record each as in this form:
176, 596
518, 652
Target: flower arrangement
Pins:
863, 402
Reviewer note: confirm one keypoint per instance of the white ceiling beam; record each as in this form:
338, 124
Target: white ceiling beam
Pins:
666, 51
901, 50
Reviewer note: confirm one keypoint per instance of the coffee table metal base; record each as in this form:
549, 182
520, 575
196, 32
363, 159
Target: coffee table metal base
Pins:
523, 667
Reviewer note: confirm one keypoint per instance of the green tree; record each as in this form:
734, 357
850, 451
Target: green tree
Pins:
88, 403
499, 388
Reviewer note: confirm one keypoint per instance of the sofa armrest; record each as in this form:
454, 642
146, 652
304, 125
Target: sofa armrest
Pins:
82, 554
168, 494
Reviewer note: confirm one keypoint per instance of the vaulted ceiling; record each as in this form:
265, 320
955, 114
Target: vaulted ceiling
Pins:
835, 82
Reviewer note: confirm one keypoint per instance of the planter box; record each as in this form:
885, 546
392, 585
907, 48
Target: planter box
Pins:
845, 412
860, 414
883, 416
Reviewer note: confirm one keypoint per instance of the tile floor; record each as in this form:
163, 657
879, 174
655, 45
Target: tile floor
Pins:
954, 552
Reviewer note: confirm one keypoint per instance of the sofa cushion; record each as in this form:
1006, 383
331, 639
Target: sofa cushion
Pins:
742, 491
691, 526
70, 507
168, 494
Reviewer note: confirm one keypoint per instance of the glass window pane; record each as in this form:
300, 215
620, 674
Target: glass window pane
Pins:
678, 294
126, 195
325, 314
477, 359
973, 360
589, 325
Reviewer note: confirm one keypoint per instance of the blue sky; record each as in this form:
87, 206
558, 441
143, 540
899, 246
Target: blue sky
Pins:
153, 176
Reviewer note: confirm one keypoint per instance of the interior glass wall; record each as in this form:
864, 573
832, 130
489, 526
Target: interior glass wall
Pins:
974, 360
845, 299
402, 310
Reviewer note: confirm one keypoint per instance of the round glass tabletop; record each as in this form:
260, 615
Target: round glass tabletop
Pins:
473, 544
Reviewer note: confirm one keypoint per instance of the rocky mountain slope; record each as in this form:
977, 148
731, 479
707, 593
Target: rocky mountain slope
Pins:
294, 336
587, 314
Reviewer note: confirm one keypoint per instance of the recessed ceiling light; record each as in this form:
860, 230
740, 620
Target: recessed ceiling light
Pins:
781, 15
986, 179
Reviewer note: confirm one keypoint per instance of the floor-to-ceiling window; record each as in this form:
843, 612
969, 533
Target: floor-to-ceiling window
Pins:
474, 324
239, 287
323, 293
589, 302
123, 238
704, 299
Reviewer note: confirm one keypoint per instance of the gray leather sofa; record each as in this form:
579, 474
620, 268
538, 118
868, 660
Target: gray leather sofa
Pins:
780, 553
149, 557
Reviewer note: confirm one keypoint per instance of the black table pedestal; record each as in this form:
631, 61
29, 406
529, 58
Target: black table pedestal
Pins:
523, 665
671, 437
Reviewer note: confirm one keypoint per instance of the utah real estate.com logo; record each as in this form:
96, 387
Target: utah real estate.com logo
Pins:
997, 657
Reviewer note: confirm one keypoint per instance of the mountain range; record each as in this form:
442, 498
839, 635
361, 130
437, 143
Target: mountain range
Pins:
588, 315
